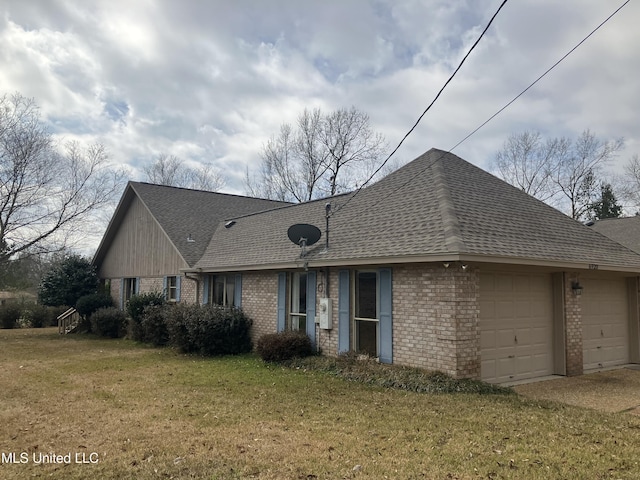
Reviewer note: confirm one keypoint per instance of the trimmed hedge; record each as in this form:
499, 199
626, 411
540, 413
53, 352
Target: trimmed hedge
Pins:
208, 329
282, 346
154, 324
108, 322
88, 304
135, 310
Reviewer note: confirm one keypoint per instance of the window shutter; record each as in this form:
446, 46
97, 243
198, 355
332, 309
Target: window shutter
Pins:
282, 301
178, 283
165, 287
311, 306
344, 320
122, 294
205, 290
237, 292
386, 320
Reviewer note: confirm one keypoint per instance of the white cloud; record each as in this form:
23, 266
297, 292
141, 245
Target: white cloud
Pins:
212, 81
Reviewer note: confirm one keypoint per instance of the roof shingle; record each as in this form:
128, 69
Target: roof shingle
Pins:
436, 206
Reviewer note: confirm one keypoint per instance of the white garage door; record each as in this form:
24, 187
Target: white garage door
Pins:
516, 326
605, 322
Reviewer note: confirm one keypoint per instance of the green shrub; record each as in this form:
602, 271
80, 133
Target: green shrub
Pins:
108, 322
135, 310
278, 347
88, 304
154, 324
9, 315
208, 329
38, 316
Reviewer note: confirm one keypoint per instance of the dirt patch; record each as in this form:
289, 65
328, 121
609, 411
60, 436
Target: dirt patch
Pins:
610, 391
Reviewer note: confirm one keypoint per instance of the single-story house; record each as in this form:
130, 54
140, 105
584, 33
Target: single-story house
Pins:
439, 265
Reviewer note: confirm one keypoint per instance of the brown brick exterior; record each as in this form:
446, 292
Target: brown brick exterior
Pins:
327, 340
188, 288
435, 314
260, 301
573, 326
435, 318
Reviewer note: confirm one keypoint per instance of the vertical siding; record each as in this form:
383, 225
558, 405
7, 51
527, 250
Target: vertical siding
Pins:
140, 248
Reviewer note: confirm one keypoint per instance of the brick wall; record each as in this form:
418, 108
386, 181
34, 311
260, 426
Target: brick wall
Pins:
327, 340
435, 318
260, 301
114, 290
573, 326
150, 285
188, 290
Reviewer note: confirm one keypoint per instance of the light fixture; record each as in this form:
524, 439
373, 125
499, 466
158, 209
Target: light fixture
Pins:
464, 267
445, 264
576, 288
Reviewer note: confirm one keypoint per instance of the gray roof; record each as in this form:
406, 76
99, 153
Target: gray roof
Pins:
625, 231
435, 208
183, 213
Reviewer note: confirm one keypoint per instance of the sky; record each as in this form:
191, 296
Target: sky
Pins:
212, 80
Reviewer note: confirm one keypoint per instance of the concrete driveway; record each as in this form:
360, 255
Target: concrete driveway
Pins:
609, 391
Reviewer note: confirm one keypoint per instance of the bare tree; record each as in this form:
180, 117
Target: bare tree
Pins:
324, 155
562, 172
528, 162
629, 183
46, 195
349, 141
171, 170
579, 168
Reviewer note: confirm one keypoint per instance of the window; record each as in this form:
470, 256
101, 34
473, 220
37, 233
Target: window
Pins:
366, 319
172, 289
298, 297
222, 290
130, 288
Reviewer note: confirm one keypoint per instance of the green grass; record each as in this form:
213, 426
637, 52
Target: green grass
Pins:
151, 413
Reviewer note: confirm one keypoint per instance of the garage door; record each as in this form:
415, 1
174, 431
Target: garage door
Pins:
516, 326
605, 322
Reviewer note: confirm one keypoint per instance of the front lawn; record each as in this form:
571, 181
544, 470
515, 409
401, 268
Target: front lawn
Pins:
143, 413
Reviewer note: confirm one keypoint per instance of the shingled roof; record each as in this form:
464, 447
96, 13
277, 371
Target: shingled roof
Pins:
625, 231
438, 207
182, 213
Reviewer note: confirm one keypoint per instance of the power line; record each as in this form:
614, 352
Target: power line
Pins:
430, 105
428, 166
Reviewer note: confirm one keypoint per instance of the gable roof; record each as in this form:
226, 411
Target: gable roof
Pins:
625, 231
182, 213
437, 207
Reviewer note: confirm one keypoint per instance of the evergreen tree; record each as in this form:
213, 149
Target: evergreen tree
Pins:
66, 282
606, 206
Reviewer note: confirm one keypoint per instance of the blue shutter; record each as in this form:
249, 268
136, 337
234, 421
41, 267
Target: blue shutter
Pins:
237, 292
282, 301
178, 283
311, 307
386, 320
344, 320
122, 294
165, 287
205, 290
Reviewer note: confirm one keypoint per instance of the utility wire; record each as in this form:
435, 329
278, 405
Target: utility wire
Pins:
429, 106
428, 166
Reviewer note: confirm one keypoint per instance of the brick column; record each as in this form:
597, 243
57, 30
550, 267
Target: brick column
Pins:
573, 326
